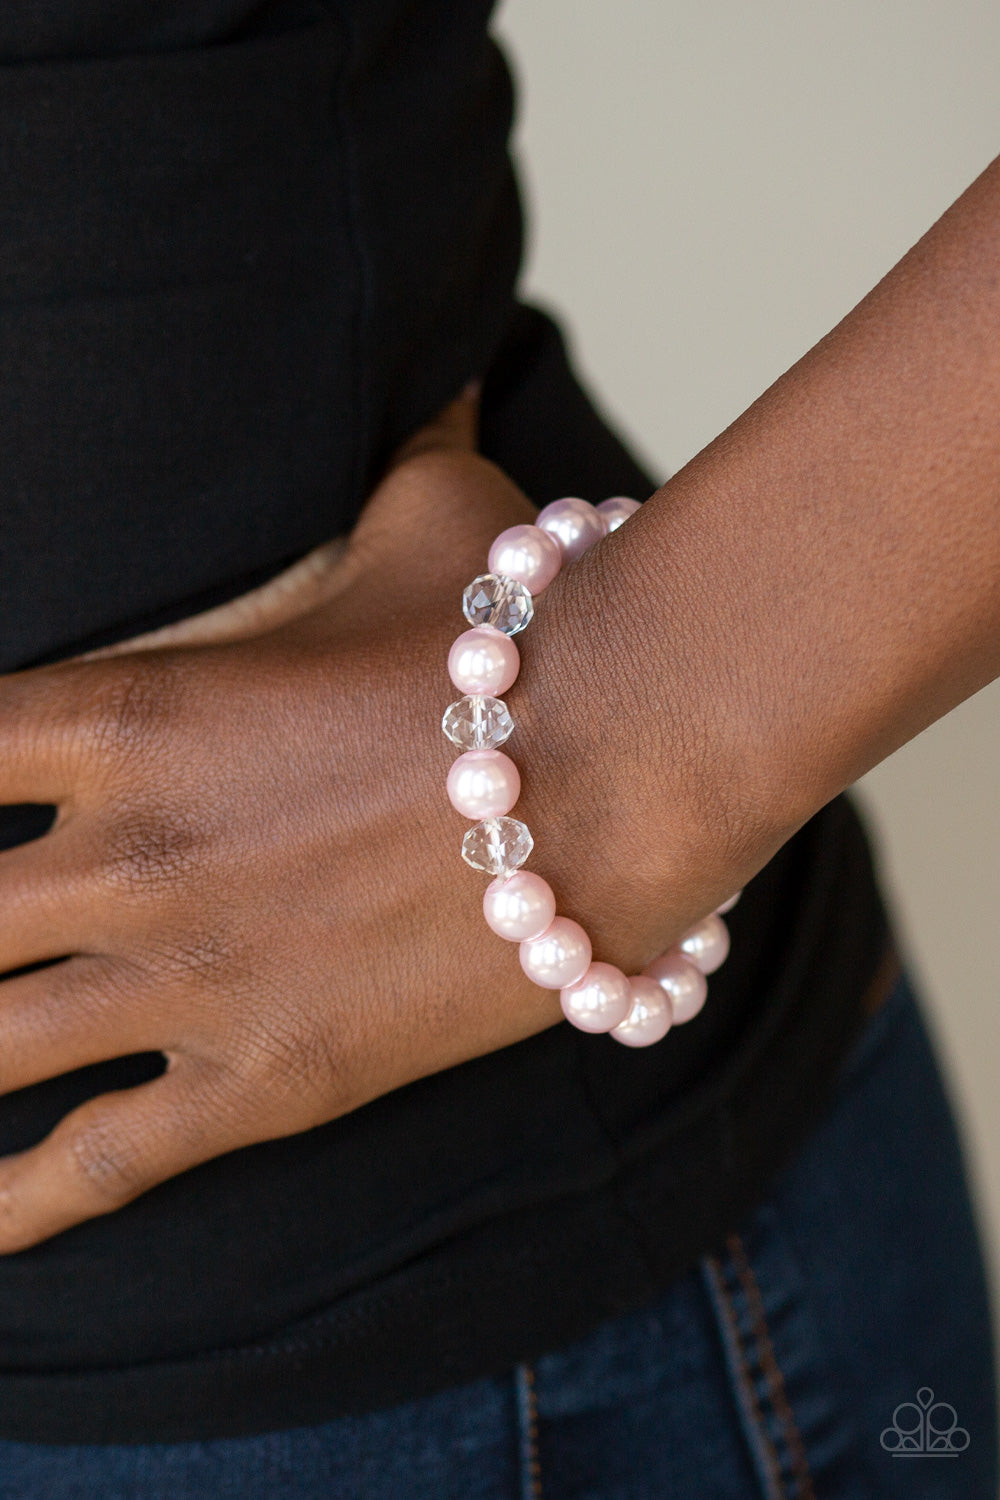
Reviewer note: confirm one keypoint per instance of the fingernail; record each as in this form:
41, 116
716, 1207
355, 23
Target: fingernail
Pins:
473, 390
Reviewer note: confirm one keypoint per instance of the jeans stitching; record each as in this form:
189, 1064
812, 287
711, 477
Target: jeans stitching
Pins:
527, 1413
768, 1361
755, 1428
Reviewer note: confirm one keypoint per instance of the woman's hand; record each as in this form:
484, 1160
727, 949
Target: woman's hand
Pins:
254, 867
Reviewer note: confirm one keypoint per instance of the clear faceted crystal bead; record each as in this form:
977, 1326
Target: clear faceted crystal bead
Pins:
497, 845
478, 723
494, 599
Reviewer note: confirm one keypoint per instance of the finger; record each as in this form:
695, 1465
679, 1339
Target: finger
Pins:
70, 1015
35, 756
49, 900
112, 1149
454, 427
57, 722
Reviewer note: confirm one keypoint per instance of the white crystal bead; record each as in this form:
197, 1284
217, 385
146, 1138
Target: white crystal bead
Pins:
494, 599
497, 845
476, 722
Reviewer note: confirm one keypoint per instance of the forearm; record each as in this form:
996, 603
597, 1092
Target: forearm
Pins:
818, 585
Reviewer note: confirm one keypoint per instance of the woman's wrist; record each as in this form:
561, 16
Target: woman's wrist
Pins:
484, 784
621, 779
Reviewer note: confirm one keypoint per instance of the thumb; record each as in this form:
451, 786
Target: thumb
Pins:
455, 427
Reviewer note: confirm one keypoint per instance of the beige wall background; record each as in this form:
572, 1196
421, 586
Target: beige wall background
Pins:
711, 186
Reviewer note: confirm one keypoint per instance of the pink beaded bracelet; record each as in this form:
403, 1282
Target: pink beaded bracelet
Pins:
484, 784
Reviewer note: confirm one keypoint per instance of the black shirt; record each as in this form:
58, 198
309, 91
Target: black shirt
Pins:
244, 250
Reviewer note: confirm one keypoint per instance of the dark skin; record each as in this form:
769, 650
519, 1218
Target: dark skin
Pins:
254, 867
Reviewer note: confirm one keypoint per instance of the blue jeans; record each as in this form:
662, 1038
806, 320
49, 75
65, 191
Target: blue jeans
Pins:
795, 1364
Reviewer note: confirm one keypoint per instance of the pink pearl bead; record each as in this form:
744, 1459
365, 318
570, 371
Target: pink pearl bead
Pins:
483, 784
520, 907
483, 660
720, 911
706, 945
559, 957
686, 985
600, 1000
575, 525
650, 1017
616, 510
528, 554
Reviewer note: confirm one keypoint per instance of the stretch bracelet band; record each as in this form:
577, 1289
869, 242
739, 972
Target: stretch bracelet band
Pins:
484, 784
